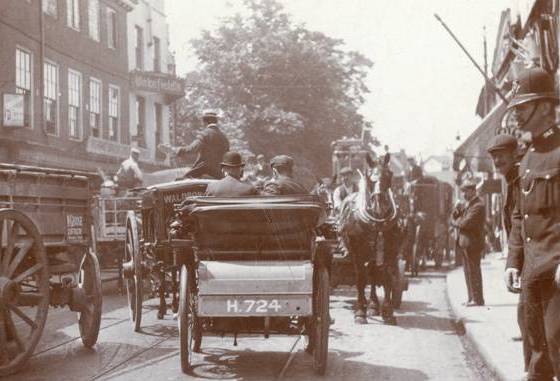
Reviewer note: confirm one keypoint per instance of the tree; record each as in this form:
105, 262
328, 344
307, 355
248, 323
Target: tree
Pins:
282, 88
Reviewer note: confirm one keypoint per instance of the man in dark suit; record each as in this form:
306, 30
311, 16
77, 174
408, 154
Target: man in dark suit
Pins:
533, 263
231, 185
210, 145
469, 220
282, 182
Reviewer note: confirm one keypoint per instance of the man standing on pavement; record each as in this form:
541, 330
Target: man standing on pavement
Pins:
282, 182
129, 175
210, 145
469, 220
345, 189
503, 149
231, 185
534, 244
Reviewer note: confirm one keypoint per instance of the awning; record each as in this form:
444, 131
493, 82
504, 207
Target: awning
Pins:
473, 150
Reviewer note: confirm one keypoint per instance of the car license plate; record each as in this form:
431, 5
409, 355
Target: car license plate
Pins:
235, 305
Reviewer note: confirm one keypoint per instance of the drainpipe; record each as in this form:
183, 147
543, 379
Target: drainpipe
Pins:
42, 68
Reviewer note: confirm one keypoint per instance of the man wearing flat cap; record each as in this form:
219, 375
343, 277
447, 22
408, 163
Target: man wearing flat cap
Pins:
210, 145
282, 182
533, 262
345, 189
231, 185
469, 221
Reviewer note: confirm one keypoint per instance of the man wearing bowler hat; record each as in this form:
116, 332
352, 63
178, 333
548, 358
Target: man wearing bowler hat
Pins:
533, 263
210, 146
469, 221
503, 149
282, 182
231, 185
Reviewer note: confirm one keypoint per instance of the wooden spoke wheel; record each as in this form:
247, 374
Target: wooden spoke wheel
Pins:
24, 289
321, 323
190, 333
89, 318
133, 274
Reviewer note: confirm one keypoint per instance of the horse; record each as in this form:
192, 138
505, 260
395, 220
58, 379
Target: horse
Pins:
368, 226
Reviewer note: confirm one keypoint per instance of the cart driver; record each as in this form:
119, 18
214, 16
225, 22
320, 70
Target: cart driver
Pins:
231, 185
129, 175
210, 146
282, 182
345, 189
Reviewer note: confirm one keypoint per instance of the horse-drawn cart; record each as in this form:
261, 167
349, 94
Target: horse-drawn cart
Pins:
47, 257
427, 227
253, 265
151, 265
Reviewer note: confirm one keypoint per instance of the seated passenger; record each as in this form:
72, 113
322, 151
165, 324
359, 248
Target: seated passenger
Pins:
282, 182
231, 185
345, 189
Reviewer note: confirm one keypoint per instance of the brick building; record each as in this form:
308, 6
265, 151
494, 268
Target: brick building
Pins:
64, 83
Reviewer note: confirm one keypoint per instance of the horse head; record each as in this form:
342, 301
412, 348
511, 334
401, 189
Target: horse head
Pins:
375, 199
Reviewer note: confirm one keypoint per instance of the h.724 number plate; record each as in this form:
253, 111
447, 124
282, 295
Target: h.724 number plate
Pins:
225, 305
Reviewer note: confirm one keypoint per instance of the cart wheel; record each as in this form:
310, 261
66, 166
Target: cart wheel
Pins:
89, 319
133, 271
190, 334
321, 323
24, 289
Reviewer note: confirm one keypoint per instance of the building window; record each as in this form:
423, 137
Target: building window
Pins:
95, 108
112, 28
113, 113
50, 105
23, 82
50, 7
139, 47
157, 55
159, 123
73, 14
93, 19
74, 104
140, 121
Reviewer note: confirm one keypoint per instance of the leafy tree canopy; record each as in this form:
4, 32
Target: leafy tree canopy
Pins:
282, 88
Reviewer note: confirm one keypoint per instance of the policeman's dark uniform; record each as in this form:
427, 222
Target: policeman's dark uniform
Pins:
470, 224
505, 142
210, 145
283, 184
534, 242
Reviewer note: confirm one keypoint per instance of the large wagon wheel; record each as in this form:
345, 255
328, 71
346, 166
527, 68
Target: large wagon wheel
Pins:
321, 321
89, 318
132, 272
24, 289
190, 333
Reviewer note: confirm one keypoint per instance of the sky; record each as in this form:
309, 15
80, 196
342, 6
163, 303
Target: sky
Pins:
424, 89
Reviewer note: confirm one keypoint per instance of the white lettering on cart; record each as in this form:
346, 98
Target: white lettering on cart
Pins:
232, 306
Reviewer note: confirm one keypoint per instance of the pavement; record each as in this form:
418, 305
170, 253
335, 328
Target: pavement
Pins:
490, 328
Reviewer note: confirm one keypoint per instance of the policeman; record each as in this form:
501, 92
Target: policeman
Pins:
210, 145
503, 149
282, 182
345, 189
534, 242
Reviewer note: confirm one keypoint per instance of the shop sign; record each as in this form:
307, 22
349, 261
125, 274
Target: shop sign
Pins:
14, 110
156, 83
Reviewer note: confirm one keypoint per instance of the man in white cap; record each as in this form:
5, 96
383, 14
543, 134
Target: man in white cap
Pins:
129, 175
